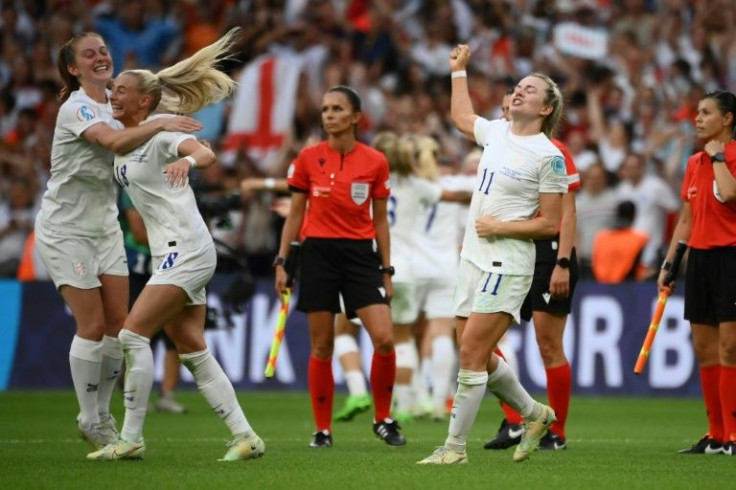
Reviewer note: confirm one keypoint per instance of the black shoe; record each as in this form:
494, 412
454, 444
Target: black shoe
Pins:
321, 439
388, 430
508, 435
705, 446
552, 442
729, 448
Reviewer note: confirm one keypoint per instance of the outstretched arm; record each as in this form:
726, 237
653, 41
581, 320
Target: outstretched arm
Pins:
461, 107
125, 140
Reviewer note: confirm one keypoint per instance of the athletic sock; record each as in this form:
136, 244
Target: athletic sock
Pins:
112, 364
383, 374
217, 389
441, 366
710, 382
138, 383
85, 362
728, 402
471, 386
406, 360
559, 388
345, 344
505, 385
321, 391
512, 416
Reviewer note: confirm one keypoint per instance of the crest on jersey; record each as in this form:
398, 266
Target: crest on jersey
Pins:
86, 113
717, 193
78, 268
290, 172
558, 165
359, 192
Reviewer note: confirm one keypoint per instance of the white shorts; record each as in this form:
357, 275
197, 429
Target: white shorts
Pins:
404, 306
190, 270
486, 292
79, 261
434, 297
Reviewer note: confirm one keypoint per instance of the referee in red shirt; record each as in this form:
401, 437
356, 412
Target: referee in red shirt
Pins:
335, 185
708, 223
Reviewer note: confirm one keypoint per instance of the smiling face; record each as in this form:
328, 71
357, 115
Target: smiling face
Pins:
528, 99
92, 61
129, 105
338, 116
710, 123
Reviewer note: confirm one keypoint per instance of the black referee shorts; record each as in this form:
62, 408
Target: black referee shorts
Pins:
333, 267
710, 286
538, 298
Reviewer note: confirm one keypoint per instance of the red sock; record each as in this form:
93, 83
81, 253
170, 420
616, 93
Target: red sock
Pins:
383, 375
559, 388
321, 391
512, 416
710, 382
728, 402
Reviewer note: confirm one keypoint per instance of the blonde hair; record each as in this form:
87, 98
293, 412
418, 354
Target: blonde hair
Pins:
192, 83
425, 149
388, 143
554, 99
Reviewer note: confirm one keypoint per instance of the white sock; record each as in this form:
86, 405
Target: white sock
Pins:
138, 383
112, 363
346, 344
471, 386
509, 353
419, 383
217, 390
442, 364
506, 386
356, 383
85, 361
406, 358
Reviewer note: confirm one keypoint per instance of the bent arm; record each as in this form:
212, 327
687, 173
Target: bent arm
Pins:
568, 226
380, 223
545, 225
293, 222
123, 140
204, 156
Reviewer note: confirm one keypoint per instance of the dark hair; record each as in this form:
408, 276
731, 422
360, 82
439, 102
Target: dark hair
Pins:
67, 54
352, 97
625, 214
726, 102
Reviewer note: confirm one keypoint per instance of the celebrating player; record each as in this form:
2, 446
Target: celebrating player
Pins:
518, 198
77, 231
155, 176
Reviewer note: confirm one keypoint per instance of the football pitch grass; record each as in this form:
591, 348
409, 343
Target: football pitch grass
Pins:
613, 442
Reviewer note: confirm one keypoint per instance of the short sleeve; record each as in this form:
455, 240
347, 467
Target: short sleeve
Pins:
381, 184
484, 130
297, 175
693, 160
553, 175
573, 177
78, 116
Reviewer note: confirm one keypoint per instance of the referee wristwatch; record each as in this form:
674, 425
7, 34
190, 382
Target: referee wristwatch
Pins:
279, 261
563, 262
718, 157
387, 270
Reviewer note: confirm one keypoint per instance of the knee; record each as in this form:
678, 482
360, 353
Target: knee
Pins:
550, 350
727, 353
323, 347
130, 340
706, 352
383, 344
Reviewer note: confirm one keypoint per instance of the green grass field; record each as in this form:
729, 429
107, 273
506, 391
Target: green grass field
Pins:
613, 443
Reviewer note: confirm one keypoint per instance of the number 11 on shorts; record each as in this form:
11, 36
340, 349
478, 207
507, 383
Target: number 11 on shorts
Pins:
493, 284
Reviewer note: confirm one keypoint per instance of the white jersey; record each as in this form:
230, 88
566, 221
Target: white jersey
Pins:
513, 171
408, 195
80, 197
169, 213
437, 233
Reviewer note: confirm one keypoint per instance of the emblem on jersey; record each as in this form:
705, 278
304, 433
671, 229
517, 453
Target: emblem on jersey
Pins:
692, 192
78, 267
290, 172
558, 165
85, 113
359, 192
388, 183
717, 193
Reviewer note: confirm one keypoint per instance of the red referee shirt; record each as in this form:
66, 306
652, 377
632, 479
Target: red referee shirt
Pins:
714, 221
340, 188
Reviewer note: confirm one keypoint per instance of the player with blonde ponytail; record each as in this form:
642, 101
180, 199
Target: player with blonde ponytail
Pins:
182, 248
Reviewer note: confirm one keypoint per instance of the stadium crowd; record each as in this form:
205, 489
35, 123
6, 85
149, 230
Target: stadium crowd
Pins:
631, 71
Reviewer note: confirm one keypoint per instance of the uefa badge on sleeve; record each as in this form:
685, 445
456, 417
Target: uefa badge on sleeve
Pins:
558, 165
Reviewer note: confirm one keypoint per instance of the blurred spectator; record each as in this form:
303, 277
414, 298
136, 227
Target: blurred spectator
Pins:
16, 222
596, 211
617, 251
654, 199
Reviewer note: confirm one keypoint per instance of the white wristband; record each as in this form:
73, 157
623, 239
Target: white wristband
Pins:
191, 160
459, 74
269, 183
